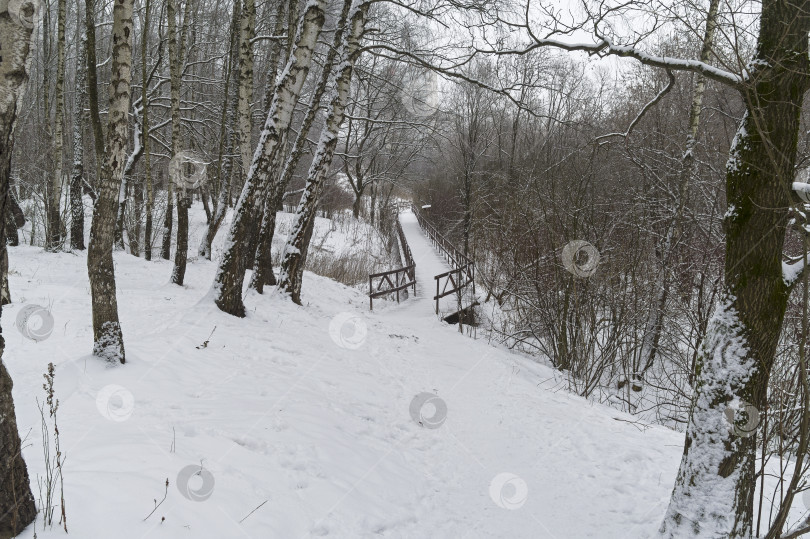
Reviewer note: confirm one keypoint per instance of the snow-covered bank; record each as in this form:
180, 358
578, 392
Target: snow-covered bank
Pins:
309, 412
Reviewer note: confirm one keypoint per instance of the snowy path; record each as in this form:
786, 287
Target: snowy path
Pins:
308, 411
428, 264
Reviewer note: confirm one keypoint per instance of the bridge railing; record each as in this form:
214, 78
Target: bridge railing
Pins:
457, 279
395, 280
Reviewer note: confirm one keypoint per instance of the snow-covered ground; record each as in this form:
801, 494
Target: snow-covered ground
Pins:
312, 414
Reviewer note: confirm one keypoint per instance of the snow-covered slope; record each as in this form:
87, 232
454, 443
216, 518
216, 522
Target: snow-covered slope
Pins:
312, 413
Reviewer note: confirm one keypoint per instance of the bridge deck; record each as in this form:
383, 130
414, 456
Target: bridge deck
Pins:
428, 264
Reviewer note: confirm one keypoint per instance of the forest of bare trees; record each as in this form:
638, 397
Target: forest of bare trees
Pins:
658, 145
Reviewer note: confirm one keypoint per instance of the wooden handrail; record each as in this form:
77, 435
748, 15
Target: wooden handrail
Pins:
408, 271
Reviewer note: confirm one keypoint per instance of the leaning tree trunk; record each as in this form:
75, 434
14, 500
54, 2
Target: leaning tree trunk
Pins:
230, 276
263, 262
295, 252
108, 341
655, 319
17, 508
274, 56
714, 490
54, 229
76, 177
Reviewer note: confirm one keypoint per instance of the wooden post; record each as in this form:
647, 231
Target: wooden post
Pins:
437, 295
370, 299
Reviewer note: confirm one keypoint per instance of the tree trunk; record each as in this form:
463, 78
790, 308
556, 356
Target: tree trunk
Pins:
714, 490
175, 172
137, 210
17, 508
357, 204
147, 165
76, 178
107, 336
230, 276
125, 188
295, 252
274, 57
263, 262
655, 320
54, 221
92, 83
166, 243
247, 32
146, 245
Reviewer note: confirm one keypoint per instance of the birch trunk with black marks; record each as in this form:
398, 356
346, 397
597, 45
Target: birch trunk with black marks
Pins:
77, 175
247, 33
132, 160
655, 319
714, 490
274, 57
263, 262
227, 288
17, 507
295, 251
183, 196
53, 240
108, 341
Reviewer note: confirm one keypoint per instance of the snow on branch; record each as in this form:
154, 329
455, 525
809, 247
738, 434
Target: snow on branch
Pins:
604, 47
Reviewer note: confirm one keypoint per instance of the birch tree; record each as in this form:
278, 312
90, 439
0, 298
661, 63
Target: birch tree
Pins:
654, 325
108, 341
247, 31
295, 251
263, 263
227, 287
17, 508
183, 197
77, 174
